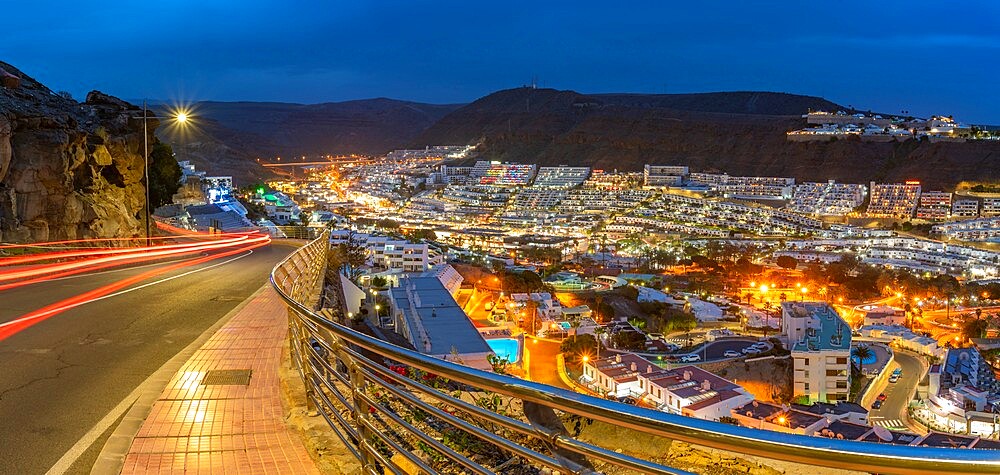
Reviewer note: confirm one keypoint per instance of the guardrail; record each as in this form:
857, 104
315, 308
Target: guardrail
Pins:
399, 411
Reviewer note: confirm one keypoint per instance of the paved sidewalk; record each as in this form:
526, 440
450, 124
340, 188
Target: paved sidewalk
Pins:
194, 427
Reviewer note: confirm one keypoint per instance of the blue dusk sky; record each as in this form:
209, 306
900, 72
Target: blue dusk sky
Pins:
924, 57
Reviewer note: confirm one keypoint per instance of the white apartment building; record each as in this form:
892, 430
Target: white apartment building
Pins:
990, 208
827, 199
760, 187
561, 177
691, 391
821, 348
893, 200
663, 175
965, 208
426, 314
985, 229
934, 205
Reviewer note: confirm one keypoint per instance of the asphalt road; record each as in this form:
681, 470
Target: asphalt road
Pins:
541, 358
890, 415
63, 375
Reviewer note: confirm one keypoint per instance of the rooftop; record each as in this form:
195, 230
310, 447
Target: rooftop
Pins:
825, 329
429, 309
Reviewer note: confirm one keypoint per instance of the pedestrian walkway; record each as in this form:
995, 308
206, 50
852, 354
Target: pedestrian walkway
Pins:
222, 412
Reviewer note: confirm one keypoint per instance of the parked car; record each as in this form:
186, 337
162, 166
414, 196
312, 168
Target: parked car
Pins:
881, 397
893, 379
627, 400
690, 358
877, 404
761, 345
897, 372
731, 354
750, 350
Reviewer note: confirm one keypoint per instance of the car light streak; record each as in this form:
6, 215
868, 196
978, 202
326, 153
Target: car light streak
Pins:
29, 319
129, 254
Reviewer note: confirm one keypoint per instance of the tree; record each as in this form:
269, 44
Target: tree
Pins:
576, 346
378, 282
164, 175
862, 353
974, 328
787, 262
629, 340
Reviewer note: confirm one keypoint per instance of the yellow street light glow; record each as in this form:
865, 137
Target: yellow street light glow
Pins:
782, 420
586, 358
763, 289
182, 117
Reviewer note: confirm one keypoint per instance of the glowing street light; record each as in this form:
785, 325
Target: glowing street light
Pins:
181, 118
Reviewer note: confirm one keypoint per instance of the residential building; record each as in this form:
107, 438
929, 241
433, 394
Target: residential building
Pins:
691, 391
827, 199
426, 314
502, 173
965, 208
663, 175
893, 200
964, 394
561, 177
615, 376
934, 206
990, 208
820, 343
762, 415
885, 315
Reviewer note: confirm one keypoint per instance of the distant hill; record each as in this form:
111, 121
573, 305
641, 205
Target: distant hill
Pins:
734, 132
229, 134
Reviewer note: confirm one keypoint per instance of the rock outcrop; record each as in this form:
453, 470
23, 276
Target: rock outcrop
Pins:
68, 170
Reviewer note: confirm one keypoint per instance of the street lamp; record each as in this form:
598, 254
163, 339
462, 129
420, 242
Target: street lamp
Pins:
181, 118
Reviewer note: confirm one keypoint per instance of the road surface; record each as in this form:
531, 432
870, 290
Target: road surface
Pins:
892, 413
64, 374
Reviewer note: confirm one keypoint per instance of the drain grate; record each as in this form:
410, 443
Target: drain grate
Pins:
220, 377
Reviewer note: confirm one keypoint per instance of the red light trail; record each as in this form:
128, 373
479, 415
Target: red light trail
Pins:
226, 245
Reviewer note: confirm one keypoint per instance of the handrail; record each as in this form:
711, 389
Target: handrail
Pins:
350, 353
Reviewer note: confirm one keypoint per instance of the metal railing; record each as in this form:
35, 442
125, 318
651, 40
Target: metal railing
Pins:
400, 411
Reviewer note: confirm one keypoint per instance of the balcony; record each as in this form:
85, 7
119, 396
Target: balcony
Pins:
399, 411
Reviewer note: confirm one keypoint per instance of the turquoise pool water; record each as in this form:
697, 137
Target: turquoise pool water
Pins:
867, 361
565, 326
505, 348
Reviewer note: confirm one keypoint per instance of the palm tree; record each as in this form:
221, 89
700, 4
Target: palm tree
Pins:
862, 352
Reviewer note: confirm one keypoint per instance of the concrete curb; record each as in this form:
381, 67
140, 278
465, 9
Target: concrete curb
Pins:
112, 456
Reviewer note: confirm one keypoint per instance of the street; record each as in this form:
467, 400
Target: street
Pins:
891, 414
65, 373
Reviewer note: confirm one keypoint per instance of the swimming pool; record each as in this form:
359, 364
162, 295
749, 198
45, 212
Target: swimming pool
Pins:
565, 326
505, 348
867, 361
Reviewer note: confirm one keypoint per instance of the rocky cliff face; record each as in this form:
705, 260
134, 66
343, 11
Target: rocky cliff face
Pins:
68, 170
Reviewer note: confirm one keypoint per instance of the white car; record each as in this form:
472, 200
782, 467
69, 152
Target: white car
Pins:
690, 358
750, 350
731, 354
760, 345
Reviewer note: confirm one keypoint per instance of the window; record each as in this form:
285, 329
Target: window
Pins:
807, 373
806, 387
842, 360
841, 384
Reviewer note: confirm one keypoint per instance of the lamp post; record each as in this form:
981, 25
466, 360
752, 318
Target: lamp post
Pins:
181, 118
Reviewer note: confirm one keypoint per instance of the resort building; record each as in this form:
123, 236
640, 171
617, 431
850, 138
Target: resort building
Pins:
990, 208
663, 175
827, 199
691, 391
561, 177
934, 206
893, 200
965, 208
426, 314
820, 342
964, 394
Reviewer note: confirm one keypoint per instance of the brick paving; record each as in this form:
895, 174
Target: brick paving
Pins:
225, 429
